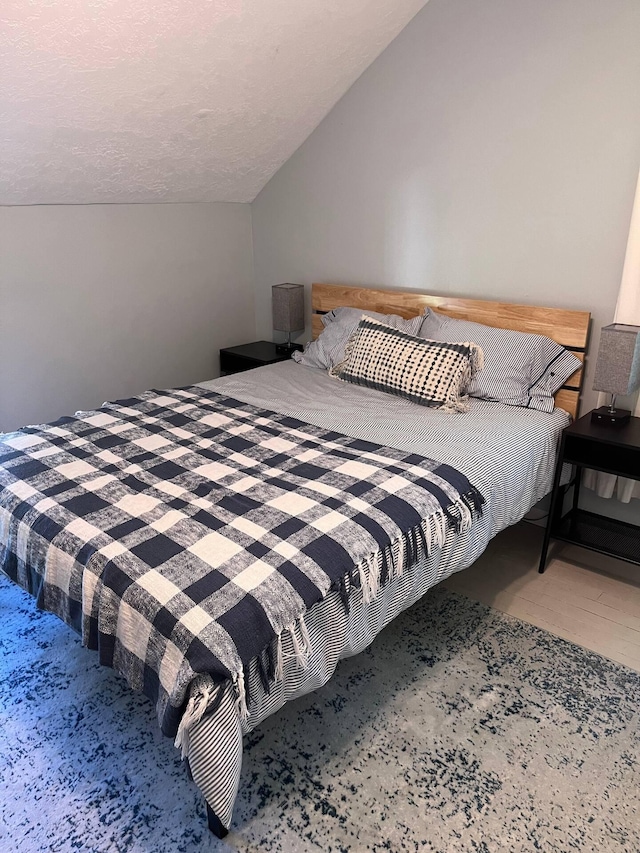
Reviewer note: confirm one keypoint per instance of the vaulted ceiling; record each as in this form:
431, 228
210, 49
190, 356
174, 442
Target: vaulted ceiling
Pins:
172, 100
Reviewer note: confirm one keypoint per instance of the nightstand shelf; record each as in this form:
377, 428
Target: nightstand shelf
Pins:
248, 356
614, 450
600, 533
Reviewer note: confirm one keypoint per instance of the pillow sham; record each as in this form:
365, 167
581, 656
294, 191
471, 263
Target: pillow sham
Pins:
430, 373
520, 368
328, 348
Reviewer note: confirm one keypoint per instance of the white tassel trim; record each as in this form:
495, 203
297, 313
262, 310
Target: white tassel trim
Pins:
374, 575
297, 648
364, 583
196, 706
466, 519
305, 636
438, 529
279, 660
241, 696
301, 647
434, 528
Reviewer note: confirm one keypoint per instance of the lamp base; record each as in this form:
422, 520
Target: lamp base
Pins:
605, 417
287, 349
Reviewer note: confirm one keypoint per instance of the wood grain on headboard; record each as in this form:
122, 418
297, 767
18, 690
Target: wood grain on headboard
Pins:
568, 328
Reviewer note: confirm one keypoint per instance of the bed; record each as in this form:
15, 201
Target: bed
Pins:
170, 529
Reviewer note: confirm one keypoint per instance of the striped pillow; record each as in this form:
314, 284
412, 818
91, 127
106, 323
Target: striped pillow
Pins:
520, 368
430, 373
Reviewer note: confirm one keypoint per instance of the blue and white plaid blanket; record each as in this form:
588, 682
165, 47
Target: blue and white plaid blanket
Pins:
181, 532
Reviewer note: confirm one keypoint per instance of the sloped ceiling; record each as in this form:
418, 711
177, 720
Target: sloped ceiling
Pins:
172, 100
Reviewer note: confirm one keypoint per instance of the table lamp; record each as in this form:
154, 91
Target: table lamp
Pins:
287, 304
617, 370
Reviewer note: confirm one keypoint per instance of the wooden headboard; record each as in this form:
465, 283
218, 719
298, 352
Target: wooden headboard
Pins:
568, 328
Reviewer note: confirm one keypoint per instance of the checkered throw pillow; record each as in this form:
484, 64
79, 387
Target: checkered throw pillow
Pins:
431, 373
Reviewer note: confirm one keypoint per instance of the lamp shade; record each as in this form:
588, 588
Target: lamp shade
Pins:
618, 363
287, 303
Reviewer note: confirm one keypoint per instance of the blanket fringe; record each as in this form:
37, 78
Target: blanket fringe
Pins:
305, 636
300, 643
373, 571
371, 574
401, 556
279, 673
297, 648
374, 575
241, 695
364, 584
196, 706
302, 646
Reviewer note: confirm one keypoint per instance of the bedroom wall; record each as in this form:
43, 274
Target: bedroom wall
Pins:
492, 150
103, 301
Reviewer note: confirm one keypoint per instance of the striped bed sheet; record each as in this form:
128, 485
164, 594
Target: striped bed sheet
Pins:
507, 452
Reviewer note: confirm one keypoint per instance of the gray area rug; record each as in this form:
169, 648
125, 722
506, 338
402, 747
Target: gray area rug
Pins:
460, 729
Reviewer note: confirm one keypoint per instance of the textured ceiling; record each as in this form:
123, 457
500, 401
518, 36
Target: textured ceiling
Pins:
172, 100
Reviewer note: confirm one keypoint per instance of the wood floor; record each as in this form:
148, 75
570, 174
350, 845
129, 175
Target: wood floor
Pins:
584, 597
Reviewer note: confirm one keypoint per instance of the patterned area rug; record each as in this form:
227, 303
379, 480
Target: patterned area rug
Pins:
460, 729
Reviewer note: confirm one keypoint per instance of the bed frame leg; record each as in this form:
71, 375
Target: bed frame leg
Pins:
214, 824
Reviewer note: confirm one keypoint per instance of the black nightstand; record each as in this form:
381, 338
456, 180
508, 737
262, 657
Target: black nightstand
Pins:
247, 356
615, 450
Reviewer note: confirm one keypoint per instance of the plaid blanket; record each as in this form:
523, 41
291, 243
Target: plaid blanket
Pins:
182, 532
